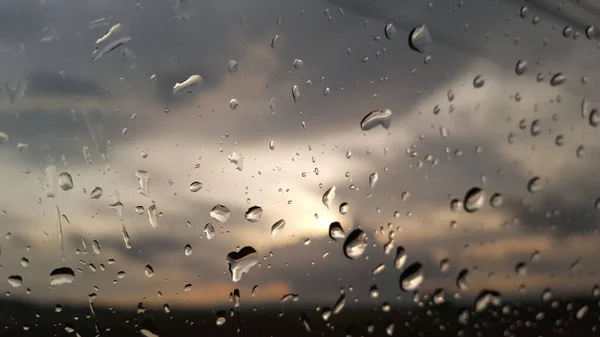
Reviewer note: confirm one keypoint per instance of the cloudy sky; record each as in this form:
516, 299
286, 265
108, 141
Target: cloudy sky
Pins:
120, 109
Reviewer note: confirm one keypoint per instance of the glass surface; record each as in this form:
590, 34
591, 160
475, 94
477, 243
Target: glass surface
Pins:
262, 168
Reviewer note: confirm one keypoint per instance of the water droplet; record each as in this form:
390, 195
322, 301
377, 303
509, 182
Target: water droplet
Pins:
375, 118
65, 181
355, 244
96, 193
220, 213
153, 215
485, 298
298, 63
419, 39
232, 66
339, 304
96, 247
24, 262
328, 197
474, 199
143, 181
148, 270
344, 208
373, 178
590, 32
521, 269
412, 277
233, 104
444, 265
389, 330
478, 81
209, 231
147, 333
188, 86
126, 238
374, 291
187, 250
535, 256
390, 31
295, 93
241, 262
401, 257
195, 186
139, 209
277, 227
462, 279
535, 184
254, 213
237, 159
62, 276
336, 232
594, 117
521, 67
523, 12
378, 269
496, 200
581, 312
275, 41
557, 79
15, 281
546, 295
221, 320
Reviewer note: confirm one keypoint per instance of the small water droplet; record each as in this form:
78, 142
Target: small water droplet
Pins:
328, 197
374, 291
557, 79
187, 250
65, 181
496, 200
535, 184
254, 213
296, 93
277, 227
376, 118
594, 117
241, 262
339, 304
478, 81
521, 67
144, 182
195, 186
275, 41
419, 39
444, 265
344, 208
233, 104
153, 215
15, 281
148, 270
487, 298
96, 247
355, 244
474, 199
232, 66
336, 232
24, 262
209, 231
390, 31
237, 159
412, 277
590, 32
62, 276
462, 279
546, 295
96, 193
401, 257
297, 63
190, 85
373, 178
521, 269
220, 213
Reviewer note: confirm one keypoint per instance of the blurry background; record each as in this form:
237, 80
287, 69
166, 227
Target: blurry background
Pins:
493, 95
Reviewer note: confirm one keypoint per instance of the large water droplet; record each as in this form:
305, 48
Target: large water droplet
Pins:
241, 262
65, 181
328, 196
253, 213
220, 213
96, 193
143, 181
15, 281
355, 244
420, 39
188, 86
474, 199
336, 232
412, 277
296, 93
61, 276
375, 118
195, 186
277, 227
390, 31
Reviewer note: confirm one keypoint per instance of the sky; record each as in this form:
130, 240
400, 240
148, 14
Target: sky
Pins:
124, 114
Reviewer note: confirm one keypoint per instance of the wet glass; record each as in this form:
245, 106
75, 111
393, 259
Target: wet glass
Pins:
183, 168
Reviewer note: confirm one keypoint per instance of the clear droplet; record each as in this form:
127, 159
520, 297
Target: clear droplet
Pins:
241, 262
374, 291
139, 209
521, 269
296, 93
594, 117
237, 159
220, 213
209, 231
521, 67
478, 81
487, 298
232, 66
96, 247
412, 277
329, 196
401, 257
535, 184
96, 193
590, 32
557, 79
474, 199
254, 213
376, 118
233, 104
496, 200
153, 215
462, 279
390, 31
277, 227
62, 276
24, 262
419, 39
523, 12
298, 63
339, 304
355, 244
148, 270
344, 208
546, 295
373, 178
336, 232
65, 181
275, 41
187, 250
15, 281
143, 181
195, 186
444, 265
190, 85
